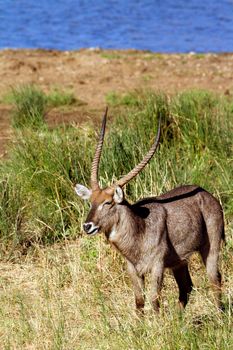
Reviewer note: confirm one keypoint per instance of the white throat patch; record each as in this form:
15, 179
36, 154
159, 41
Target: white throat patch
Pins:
112, 234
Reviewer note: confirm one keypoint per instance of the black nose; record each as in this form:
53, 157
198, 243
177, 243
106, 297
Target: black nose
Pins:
86, 227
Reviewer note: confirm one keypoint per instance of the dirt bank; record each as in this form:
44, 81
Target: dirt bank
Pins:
92, 74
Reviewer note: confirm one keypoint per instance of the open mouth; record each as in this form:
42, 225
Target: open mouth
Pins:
94, 231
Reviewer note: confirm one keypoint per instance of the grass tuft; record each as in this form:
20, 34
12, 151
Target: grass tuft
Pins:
29, 107
57, 98
115, 99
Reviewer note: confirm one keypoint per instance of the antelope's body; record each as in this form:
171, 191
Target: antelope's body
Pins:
158, 232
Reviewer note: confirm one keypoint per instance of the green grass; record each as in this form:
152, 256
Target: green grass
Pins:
38, 202
57, 293
111, 55
153, 56
30, 104
41, 171
199, 55
57, 98
114, 99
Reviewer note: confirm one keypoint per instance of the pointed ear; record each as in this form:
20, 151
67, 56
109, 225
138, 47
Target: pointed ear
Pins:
83, 191
118, 195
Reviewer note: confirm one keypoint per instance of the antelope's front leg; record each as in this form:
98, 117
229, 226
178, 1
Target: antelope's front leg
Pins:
139, 286
156, 284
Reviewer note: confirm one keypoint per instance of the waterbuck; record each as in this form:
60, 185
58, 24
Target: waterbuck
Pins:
158, 232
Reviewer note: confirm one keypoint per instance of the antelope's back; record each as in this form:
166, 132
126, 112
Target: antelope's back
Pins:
193, 217
193, 200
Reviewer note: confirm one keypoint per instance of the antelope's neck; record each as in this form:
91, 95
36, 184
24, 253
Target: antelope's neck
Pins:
126, 234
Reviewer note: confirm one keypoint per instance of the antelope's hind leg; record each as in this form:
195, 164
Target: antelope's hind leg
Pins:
184, 282
211, 249
210, 258
139, 287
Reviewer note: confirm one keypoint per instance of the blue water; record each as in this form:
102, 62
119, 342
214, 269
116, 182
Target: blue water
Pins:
160, 26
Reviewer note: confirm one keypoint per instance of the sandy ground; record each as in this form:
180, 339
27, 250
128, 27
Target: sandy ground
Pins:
92, 74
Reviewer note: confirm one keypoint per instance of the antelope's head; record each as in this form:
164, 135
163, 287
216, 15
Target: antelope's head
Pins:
105, 202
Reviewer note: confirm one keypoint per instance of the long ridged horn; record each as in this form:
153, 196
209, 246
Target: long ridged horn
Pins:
96, 160
143, 163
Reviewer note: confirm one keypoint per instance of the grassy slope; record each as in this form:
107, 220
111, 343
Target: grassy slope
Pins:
77, 295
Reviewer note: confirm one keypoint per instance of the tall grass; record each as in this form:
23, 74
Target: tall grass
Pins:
29, 107
38, 202
196, 144
77, 295
38, 180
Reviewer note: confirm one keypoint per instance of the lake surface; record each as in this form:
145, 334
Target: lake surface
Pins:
159, 26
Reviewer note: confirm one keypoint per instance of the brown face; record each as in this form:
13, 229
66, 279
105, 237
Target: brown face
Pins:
103, 213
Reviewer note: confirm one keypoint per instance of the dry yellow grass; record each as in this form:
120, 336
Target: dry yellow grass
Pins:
77, 296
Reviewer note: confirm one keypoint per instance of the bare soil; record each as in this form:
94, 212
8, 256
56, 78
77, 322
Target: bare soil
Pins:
93, 74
